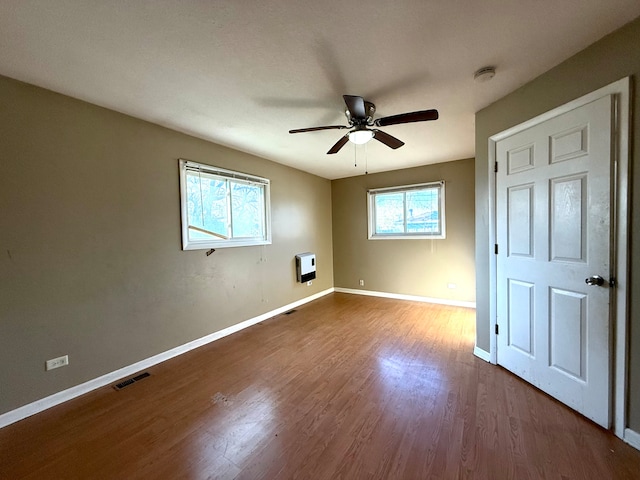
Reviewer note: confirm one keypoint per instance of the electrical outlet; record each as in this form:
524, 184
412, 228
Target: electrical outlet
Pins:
451, 285
57, 362
361, 282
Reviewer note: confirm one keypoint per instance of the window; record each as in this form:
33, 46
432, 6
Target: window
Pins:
410, 211
222, 208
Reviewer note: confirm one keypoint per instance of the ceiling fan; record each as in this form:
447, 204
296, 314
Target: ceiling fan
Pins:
359, 114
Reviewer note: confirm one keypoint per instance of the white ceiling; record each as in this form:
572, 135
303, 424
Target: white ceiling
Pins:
242, 73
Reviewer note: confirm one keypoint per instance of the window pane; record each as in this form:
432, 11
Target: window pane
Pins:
389, 208
423, 211
247, 210
222, 208
407, 212
207, 206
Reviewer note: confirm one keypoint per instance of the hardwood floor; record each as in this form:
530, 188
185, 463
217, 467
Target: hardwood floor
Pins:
344, 387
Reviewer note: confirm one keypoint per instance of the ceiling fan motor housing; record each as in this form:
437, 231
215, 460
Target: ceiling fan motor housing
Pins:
369, 108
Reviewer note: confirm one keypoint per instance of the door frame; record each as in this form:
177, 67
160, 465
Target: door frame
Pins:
620, 90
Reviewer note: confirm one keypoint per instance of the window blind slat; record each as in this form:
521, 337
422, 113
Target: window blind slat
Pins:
222, 173
406, 188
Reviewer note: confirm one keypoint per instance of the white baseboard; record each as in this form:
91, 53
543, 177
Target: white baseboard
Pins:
400, 296
109, 378
632, 438
482, 354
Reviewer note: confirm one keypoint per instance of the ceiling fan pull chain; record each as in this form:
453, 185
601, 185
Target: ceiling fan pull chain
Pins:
366, 160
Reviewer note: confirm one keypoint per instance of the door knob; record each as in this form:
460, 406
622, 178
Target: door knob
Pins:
594, 280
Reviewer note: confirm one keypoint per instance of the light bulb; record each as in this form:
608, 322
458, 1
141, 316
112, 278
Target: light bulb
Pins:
360, 136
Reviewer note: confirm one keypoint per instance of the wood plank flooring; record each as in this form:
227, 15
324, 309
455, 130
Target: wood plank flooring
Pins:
345, 387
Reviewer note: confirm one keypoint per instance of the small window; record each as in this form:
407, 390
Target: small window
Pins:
222, 208
407, 212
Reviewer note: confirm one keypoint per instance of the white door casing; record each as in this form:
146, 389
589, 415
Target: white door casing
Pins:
553, 231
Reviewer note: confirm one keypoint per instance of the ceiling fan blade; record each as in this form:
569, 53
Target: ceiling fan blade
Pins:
313, 129
421, 116
388, 140
355, 105
339, 144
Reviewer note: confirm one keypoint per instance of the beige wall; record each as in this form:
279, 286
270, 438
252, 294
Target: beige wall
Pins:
91, 262
614, 57
411, 267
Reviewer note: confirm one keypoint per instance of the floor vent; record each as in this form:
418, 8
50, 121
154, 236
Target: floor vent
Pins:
290, 312
130, 381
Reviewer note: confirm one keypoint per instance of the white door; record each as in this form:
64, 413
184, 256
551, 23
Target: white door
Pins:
553, 229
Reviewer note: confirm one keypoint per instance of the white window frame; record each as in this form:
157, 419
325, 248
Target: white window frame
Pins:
371, 194
198, 244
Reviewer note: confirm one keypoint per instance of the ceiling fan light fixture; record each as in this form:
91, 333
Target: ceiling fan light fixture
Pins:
360, 136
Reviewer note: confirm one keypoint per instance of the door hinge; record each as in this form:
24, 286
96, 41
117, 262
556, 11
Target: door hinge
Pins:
495, 249
497, 329
495, 167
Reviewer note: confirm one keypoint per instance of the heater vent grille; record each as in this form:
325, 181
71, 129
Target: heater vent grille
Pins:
130, 381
